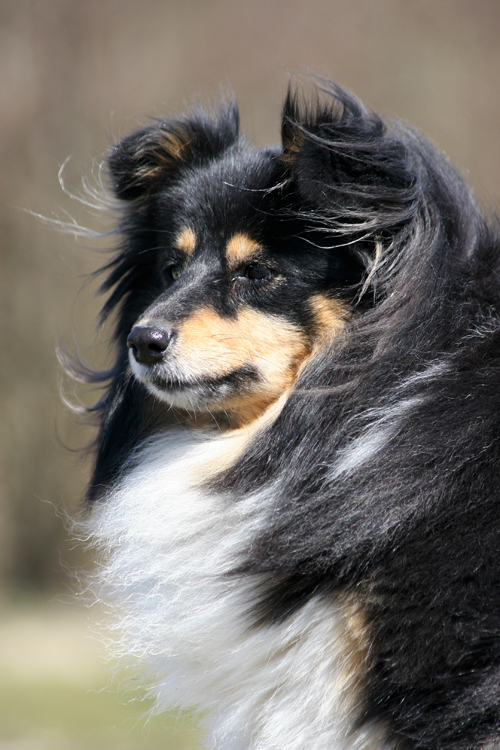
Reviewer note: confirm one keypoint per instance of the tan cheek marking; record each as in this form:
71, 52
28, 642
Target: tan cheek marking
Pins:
186, 241
219, 345
330, 315
241, 248
209, 345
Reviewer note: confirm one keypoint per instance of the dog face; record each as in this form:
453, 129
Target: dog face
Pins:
237, 264
236, 290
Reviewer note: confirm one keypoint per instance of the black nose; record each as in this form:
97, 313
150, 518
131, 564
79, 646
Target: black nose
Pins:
149, 343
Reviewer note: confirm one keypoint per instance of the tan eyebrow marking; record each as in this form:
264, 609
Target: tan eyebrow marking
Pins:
241, 247
186, 241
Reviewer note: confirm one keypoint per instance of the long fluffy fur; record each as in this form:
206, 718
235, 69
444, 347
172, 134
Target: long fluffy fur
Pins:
326, 574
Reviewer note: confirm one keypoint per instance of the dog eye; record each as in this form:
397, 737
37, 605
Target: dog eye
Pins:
172, 271
256, 272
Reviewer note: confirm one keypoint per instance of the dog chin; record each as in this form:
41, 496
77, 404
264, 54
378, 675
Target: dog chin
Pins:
180, 398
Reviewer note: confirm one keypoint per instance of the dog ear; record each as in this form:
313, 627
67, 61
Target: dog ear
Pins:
142, 161
142, 158
344, 160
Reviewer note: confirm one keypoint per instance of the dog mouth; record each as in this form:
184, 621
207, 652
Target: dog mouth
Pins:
235, 381
194, 392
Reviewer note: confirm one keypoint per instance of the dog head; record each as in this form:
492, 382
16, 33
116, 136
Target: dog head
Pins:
236, 263
236, 288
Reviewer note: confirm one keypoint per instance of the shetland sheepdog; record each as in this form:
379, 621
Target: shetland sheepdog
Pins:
296, 486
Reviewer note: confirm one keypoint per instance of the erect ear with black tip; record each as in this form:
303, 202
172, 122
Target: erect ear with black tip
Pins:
142, 158
342, 157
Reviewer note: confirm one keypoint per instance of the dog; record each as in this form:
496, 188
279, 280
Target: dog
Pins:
295, 489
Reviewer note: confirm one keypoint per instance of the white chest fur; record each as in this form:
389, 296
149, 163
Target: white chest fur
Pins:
167, 549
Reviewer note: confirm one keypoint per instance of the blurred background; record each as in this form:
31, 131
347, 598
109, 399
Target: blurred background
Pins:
75, 76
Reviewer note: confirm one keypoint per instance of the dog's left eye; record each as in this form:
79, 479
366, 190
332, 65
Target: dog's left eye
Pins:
256, 272
172, 271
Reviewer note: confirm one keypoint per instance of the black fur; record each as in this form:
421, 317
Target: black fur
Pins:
369, 212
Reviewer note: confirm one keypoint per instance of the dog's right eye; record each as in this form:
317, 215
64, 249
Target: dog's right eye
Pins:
172, 271
256, 272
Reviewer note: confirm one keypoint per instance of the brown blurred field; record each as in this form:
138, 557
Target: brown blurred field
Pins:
74, 77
